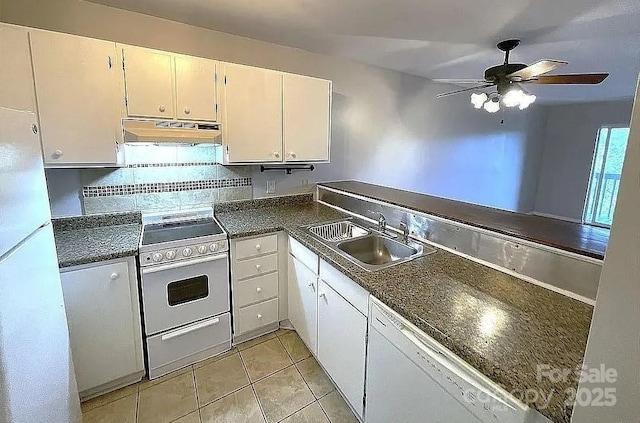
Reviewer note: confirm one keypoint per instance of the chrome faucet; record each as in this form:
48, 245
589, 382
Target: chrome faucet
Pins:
405, 232
382, 223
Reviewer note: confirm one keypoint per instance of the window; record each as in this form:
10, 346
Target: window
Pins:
606, 169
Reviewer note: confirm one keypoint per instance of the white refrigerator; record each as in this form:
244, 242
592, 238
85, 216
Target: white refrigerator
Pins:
37, 381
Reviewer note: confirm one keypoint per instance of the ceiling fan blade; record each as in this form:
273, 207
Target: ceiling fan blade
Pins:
459, 81
479, 87
538, 68
580, 78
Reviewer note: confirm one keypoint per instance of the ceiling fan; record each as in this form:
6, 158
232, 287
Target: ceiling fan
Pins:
508, 78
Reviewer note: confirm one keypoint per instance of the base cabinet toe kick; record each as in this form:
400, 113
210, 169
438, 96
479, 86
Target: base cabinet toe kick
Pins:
386, 368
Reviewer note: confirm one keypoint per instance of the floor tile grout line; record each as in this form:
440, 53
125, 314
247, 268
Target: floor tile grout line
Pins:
232, 392
137, 404
255, 394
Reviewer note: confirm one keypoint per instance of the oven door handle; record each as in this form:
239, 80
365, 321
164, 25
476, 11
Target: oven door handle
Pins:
178, 264
189, 329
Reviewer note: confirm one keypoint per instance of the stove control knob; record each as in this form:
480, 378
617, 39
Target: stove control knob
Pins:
187, 252
202, 249
157, 257
213, 247
170, 255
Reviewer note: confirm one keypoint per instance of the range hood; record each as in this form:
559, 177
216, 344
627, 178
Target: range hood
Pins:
171, 131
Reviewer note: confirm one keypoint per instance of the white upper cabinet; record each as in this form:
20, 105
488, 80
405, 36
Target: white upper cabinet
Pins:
170, 86
252, 114
195, 88
80, 95
149, 79
16, 76
306, 118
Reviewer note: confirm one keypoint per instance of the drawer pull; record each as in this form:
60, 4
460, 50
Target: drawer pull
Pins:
184, 331
258, 290
258, 247
161, 108
321, 294
310, 283
114, 276
259, 316
258, 267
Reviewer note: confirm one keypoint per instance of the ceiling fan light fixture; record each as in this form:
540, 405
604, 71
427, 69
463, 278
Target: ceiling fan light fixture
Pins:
492, 105
478, 99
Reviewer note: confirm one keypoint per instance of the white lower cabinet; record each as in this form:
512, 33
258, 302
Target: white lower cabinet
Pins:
255, 286
303, 305
103, 313
342, 344
327, 309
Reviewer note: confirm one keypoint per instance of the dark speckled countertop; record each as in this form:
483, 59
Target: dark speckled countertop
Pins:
96, 238
499, 324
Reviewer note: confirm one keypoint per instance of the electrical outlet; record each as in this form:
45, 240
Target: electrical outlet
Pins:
271, 187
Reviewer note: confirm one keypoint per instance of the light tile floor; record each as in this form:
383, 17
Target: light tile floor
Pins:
270, 379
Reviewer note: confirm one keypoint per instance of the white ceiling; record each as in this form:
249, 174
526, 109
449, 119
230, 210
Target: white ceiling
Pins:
437, 38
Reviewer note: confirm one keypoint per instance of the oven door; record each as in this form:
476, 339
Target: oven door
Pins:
183, 292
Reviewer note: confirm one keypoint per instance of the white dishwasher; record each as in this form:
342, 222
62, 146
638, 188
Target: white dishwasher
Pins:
413, 379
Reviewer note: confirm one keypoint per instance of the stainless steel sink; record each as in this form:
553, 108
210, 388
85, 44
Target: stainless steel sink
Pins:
367, 247
377, 250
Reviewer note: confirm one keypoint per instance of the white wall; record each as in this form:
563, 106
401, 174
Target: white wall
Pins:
569, 143
614, 339
387, 127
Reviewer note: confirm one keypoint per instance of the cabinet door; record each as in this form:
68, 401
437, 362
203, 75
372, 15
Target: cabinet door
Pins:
16, 75
303, 306
195, 88
100, 311
252, 114
149, 82
307, 113
79, 92
342, 332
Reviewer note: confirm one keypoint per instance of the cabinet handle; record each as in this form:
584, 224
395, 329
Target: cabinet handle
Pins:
259, 316
187, 110
292, 154
258, 247
258, 290
57, 154
258, 267
310, 283
34, 128
162, 109
114, 276
276, 154
321, 294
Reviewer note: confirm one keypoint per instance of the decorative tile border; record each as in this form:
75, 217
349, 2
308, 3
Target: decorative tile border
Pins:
159, 187
137, 165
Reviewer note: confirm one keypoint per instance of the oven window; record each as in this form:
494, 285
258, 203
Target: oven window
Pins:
188, 290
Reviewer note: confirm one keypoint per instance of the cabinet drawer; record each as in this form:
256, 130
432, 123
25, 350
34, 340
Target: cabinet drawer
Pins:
256, 246
302, 253
351, 291
256, 267
174, 345
255, 316
256, 289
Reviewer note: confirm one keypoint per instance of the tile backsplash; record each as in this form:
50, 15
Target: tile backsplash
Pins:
162, 177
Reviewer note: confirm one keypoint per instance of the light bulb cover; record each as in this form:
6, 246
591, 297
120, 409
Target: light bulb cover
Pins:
527, 100
478, 99
492, 105
513, 97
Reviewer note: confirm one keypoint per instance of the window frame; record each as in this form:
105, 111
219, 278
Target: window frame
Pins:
610, 127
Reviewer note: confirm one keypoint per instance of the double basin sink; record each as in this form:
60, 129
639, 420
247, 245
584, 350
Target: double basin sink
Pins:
367, 247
